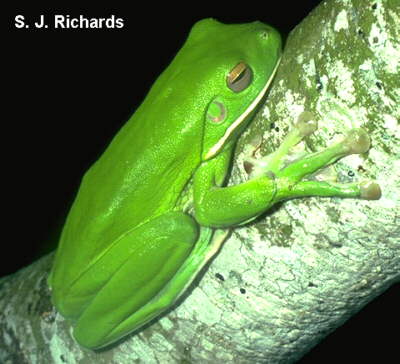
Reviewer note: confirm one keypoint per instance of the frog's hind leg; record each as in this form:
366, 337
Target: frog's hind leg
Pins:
135, 268
155, 263
206, 247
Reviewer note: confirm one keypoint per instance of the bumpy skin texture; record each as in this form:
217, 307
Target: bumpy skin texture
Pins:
129, 248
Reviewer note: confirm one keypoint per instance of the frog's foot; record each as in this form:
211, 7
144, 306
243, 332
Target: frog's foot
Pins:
289, 178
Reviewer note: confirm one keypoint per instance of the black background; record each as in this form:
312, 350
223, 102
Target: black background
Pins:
69, 91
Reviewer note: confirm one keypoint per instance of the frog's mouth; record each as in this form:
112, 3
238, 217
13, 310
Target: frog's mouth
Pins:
218, 146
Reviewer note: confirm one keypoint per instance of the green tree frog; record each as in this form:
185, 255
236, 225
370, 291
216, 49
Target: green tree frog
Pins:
154, 208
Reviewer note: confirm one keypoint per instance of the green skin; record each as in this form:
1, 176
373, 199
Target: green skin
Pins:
153, 209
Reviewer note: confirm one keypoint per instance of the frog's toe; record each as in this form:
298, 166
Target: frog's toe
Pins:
306, 124
370, 190
357, 141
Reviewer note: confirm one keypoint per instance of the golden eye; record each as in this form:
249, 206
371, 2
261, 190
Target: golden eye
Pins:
239, 77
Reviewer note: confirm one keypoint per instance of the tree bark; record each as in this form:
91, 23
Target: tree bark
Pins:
281, 284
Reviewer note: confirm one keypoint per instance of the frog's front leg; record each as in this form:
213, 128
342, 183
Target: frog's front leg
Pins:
290, 178
224, 206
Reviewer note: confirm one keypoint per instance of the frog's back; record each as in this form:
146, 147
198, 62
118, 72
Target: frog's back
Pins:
145, 168
140, 176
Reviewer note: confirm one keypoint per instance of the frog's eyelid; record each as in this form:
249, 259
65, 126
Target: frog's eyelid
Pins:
239, 77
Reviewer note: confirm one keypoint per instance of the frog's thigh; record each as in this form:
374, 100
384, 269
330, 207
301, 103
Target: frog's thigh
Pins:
160, 248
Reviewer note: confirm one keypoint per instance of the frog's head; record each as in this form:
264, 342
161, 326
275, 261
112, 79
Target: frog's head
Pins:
241, 62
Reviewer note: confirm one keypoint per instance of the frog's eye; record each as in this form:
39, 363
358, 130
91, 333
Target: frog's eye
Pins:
239, 77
